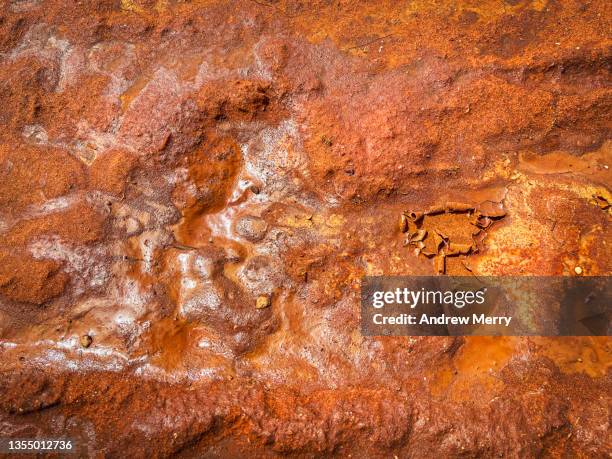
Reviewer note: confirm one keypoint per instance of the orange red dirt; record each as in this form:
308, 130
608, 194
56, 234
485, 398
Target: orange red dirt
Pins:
165, 164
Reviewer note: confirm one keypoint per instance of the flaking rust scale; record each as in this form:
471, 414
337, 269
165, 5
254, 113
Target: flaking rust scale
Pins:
601, 201
458, 207
459, 249
403, 223
482, 215
435, 210
415, 217
418, 236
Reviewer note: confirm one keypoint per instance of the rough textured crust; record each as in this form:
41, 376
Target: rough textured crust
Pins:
190, 192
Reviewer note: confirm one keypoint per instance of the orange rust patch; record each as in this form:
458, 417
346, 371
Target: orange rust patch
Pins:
110, 171
26, 280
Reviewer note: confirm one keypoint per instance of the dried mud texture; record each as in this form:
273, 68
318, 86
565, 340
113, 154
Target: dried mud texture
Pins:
191, 191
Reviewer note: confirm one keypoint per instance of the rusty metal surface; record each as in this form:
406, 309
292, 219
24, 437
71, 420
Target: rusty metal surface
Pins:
190, 192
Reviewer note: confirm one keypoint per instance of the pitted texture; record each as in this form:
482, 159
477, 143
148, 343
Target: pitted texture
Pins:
195, 189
